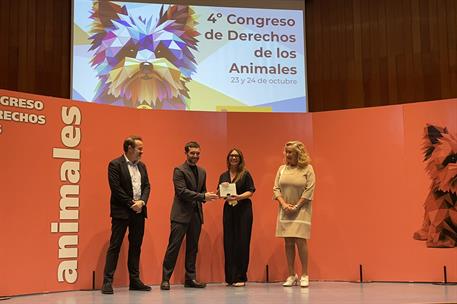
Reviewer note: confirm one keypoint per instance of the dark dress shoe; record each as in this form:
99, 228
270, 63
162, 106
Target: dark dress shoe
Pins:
194, 284
138, 285
107, 288
165, 285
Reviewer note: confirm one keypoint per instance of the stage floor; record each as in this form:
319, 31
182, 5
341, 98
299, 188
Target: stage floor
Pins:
260, 293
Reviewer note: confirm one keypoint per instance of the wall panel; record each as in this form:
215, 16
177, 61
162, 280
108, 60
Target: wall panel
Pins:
360, 53
370, 190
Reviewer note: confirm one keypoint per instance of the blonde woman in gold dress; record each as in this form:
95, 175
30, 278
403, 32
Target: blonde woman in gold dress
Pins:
294, 189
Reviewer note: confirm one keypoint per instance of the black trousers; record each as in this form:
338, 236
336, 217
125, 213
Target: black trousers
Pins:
178, 230
237, 222
135, 224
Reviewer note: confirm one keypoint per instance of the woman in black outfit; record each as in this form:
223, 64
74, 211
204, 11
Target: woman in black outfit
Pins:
237, 219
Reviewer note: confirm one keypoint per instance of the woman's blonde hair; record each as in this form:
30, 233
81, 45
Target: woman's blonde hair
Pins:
303, 158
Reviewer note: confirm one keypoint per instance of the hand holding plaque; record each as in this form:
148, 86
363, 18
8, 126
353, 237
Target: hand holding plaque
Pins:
227, 189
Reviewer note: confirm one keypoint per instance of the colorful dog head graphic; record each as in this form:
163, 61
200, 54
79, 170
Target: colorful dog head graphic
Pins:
439, 227
143, 61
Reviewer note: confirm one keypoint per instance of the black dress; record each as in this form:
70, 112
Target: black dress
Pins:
237, 221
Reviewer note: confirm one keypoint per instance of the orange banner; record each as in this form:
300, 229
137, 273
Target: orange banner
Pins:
371, 186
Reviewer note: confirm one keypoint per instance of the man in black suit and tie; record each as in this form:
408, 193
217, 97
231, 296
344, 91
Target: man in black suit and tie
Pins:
129, 184
186, 216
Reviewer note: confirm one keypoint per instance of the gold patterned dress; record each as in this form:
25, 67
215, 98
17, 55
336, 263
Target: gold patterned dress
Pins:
293, 183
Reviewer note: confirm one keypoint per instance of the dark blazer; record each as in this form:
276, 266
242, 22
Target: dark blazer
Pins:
120, 184
188, 194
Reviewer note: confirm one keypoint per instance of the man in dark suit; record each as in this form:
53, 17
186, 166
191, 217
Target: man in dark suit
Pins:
186, 216
129, 184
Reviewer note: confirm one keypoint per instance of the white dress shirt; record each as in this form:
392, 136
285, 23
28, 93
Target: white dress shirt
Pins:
135, 175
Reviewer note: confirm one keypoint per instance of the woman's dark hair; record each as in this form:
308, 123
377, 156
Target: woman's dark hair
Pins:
241, 170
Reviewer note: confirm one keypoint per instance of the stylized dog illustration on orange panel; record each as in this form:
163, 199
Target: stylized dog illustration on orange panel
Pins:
439, 228
143, 61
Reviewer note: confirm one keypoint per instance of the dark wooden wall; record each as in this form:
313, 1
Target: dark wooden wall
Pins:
35, 46
360, 53
363, 53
